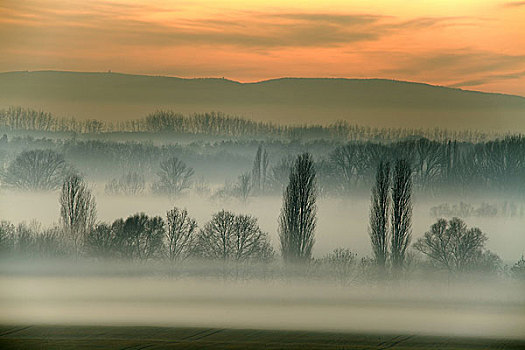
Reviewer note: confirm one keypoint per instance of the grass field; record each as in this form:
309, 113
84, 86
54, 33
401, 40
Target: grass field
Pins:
81, 337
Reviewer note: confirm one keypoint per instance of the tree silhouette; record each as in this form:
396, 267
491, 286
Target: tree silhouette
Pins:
298, 220
36, 170
341, 262
174, 177
401, 212
256, 170
455, 247
243, 187
280, 173
379, 214
230, 237
260, 168
131, 183
7, 237
77, 209
180, 234
139, 237
100, 241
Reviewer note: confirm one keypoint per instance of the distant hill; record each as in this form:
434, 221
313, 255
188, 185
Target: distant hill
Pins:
375, 102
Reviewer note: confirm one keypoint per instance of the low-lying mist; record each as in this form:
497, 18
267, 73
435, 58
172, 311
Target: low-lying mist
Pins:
491, 308
389, 235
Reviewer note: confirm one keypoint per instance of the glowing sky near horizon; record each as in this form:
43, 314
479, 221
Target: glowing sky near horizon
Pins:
472, 44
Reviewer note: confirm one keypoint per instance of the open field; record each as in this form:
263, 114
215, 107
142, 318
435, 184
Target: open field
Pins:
491, 309
50, 337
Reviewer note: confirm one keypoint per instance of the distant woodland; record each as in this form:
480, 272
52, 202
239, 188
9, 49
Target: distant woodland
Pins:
220, 124
345, 156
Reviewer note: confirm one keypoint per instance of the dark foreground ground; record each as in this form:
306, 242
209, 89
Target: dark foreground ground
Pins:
76, 337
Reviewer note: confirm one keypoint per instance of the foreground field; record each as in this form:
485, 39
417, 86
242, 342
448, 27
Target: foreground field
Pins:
489, 310
52, 337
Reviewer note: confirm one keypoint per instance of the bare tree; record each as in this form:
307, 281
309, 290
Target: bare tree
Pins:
131, 183
356, 162
33, 241
379, 214
401, 212
174, 177
100, 241
139, 237
243, 187
214, 238
36, 170
298, 220
180, 234
264, 170
341, 263
256, 170
430, 160
230, 237
260, 169
453, 246
280, 173
77, 209
249, 241
7, 237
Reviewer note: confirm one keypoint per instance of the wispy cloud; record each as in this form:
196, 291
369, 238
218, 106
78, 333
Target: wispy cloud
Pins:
514, 4
488, 79
130, 24
462, 61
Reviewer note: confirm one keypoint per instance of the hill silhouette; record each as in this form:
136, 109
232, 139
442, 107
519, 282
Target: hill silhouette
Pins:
375, 102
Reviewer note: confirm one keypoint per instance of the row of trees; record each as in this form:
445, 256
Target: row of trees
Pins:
487, 210
218, 124
391, 213
173, 177
226, 236
41, 170
496, 165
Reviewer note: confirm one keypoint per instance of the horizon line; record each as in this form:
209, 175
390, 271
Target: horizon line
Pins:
260, 81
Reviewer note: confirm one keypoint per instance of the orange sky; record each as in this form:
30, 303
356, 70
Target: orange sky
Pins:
473, 44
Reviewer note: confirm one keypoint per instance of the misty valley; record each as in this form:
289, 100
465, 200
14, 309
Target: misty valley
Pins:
179, 220
278, 175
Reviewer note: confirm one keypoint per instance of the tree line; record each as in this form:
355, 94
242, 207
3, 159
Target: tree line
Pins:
227, 236
497, 165
220, 124
493, 165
